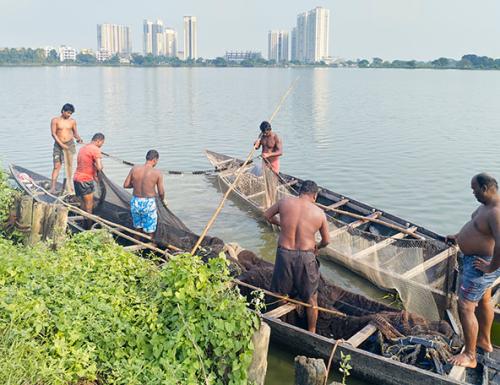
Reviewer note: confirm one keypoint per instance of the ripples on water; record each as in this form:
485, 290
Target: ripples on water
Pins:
403, 141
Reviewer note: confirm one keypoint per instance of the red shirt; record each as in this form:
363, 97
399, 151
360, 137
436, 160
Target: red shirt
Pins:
85, 169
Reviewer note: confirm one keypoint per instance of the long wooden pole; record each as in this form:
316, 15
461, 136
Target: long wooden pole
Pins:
240, 172
357, 216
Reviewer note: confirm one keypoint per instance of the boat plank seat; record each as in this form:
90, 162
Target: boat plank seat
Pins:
354, 224
382, 244
282, 310
75, 218
138, 247
341, 202
361, 336
256, 194
429, 263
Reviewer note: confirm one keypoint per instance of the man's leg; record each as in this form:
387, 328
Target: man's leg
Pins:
312, 313
55, 174
485, 315
88, 206
470, 326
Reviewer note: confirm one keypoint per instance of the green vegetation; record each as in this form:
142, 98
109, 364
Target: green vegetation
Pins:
345, 366
93, 313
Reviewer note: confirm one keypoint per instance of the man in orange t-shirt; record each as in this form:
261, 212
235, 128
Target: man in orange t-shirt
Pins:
88, 164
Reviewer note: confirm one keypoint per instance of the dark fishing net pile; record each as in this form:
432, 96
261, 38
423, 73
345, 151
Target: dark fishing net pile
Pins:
113, 204
401, 335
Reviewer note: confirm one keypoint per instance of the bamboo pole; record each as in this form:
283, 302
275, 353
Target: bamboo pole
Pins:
48, 222
240, 172
24, 212
288, 299
60, 225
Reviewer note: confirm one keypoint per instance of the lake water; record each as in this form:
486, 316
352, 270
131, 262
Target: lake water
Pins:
406, 142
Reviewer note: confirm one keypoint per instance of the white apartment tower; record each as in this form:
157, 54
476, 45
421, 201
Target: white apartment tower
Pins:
170, 42
159, 40
310, 42
293, 45
317, 35
147, 42
190, 38
114, 39
278, 46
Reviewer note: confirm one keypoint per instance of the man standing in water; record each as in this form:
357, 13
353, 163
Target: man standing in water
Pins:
63, 130
89, 163
479, 241
296, 269
272, 147
146, 182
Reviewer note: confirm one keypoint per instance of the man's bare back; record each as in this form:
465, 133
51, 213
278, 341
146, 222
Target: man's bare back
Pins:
145, 180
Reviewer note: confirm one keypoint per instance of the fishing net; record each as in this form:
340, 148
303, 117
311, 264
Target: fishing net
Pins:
422, 272
113, 203
401, 335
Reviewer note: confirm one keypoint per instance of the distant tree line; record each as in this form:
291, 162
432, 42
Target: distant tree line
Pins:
469, 61
29, 56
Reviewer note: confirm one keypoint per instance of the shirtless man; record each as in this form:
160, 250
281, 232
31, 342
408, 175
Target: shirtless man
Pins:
272, 148
146, 182
88, 164
296, 270
479, 241
63, 130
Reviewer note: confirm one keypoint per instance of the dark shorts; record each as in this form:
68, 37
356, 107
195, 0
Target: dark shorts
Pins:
58, 152
84, 188
473, 282
296, 273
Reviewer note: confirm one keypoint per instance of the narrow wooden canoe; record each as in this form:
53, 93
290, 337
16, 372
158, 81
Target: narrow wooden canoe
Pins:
425, 284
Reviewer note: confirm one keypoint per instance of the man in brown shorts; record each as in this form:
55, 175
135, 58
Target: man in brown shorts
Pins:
296, 270
63, 130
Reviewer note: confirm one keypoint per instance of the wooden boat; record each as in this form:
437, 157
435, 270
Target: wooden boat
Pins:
425, 284
365, 364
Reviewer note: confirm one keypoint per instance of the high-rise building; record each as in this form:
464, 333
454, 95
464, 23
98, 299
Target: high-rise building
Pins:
310, 42
147, 42
170, 42
159, 40
278, 46
293, 45
190, 38
318, 34
114, 38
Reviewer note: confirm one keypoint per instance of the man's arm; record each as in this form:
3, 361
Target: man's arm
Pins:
324, 232
75, 133
53, 131
481, 264
128, 180
271, 214
161, 187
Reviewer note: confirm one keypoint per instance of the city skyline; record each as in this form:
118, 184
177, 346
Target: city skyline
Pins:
391, 29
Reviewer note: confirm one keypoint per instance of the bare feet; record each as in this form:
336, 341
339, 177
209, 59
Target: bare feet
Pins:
486, 346
464, 359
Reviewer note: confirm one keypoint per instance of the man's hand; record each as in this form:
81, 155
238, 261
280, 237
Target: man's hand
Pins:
482, 265
79, 141
451, 239
165, 203
256, 144
64, 146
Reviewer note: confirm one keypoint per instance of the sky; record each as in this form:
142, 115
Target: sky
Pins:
389, 29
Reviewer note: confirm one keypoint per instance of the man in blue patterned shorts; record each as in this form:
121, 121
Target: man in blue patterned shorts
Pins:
146, 182
479, 241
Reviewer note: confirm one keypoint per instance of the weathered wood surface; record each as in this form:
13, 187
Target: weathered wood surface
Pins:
309, 371
368, 366
361, 336
24, 213
37, 221
282, 310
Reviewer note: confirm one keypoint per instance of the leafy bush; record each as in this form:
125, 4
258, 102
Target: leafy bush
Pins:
94, 312
7, 195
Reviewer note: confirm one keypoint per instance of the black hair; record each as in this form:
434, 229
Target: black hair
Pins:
68, 107
308, 187
485, 180
97, 137
152, 154
264, 126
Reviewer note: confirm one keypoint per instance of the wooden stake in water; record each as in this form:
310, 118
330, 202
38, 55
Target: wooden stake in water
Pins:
240, 172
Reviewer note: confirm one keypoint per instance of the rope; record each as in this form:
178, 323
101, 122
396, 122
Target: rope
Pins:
331, 358
240, 172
